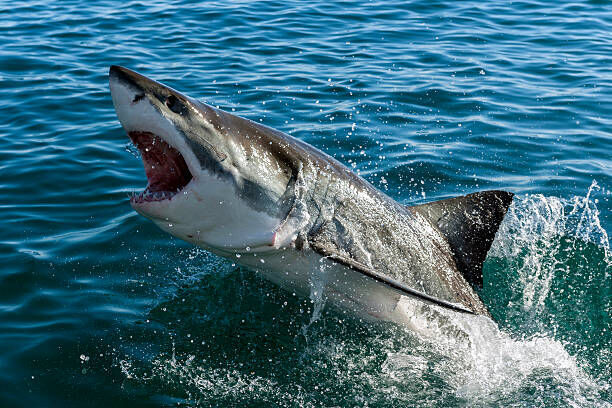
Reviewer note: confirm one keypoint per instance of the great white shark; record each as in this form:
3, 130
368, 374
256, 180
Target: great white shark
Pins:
278, 205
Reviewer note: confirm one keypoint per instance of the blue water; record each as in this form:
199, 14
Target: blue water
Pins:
425, 99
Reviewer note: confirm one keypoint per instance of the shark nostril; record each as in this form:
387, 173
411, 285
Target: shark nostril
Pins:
175, 105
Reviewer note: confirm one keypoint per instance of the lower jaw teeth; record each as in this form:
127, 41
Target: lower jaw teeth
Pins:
152, 196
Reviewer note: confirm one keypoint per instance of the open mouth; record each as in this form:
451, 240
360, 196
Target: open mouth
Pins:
165, 167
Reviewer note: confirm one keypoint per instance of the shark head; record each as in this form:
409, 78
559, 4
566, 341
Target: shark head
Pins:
214, 179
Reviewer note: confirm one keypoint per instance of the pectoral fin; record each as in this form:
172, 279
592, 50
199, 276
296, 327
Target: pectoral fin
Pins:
328, 250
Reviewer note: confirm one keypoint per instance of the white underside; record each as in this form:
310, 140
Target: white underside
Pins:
309, 274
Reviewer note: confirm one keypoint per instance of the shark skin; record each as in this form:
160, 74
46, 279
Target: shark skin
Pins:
278, 205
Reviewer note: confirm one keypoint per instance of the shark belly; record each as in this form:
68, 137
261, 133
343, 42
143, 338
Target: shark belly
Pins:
308, 274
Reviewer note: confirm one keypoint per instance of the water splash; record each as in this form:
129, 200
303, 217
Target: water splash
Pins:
588, 226
540, 244
543, 243
495, 367
318, 280
531, 239
198, 385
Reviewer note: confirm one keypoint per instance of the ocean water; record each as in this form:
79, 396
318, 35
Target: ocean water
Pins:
425, 99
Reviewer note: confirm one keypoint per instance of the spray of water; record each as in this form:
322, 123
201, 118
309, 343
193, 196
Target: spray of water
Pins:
533, 241
318, 280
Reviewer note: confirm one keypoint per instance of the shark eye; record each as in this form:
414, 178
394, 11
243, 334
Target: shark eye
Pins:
176, 106
138, 98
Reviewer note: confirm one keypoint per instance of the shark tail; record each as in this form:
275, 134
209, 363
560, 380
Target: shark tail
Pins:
469, 224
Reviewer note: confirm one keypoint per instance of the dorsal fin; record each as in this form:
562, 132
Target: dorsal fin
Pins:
469, 224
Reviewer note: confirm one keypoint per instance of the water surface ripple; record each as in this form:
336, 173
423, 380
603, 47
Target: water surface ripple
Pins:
425, 99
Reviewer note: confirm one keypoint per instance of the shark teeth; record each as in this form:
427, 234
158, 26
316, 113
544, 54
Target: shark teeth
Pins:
150, 196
